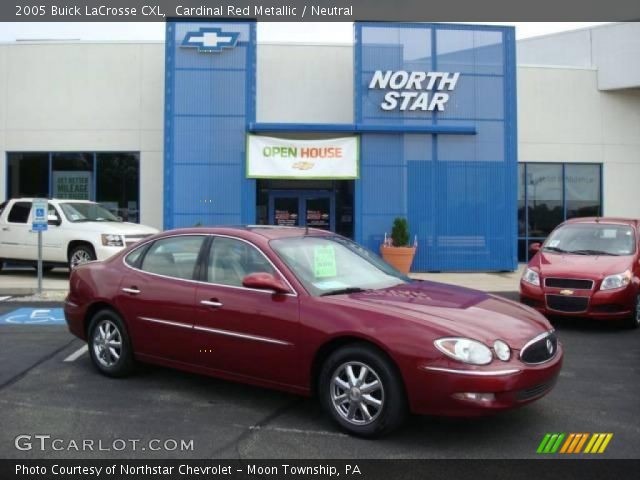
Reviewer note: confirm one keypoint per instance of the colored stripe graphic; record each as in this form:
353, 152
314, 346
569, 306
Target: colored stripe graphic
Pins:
598, 443
556, 443
550, 443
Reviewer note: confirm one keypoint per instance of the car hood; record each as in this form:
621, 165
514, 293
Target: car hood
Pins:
592, 267
114, 228
455, 311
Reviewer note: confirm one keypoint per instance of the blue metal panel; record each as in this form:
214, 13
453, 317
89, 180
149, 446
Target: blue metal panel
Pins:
459, 193
209, 102
382, 126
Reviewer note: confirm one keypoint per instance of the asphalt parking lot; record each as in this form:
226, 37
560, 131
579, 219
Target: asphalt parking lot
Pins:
42, 394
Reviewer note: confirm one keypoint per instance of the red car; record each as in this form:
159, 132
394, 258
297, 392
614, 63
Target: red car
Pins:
588, 267
311, 312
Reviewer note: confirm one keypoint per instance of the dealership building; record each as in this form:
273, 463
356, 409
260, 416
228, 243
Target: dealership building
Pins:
483, 143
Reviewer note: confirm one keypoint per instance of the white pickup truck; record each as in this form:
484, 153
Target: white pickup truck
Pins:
79, 231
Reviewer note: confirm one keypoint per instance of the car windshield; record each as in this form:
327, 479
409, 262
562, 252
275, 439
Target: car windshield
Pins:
592, 239
87, 212
334, 265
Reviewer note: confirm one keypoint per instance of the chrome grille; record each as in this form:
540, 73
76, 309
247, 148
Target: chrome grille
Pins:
540, 349
575, 283
131, 239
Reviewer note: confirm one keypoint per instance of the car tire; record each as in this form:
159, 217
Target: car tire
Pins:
109, 344
373, 412
634, 320
81, 254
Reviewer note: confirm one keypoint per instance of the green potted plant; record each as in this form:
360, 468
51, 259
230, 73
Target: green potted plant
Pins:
396, 250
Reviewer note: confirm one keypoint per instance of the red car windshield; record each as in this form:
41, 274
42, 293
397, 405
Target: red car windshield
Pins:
592, 239
334, 265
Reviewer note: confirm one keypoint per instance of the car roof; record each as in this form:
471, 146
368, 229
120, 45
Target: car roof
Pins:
621, 221
269, 232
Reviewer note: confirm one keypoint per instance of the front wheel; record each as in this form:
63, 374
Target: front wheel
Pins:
81, 254
109, 344
634, 320
362, 391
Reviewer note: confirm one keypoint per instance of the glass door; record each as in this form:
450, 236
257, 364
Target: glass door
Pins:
296, 208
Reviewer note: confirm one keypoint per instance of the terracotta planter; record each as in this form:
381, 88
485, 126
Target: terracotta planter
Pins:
398, 257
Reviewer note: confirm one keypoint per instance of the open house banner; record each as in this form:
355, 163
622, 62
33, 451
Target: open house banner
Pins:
269, 157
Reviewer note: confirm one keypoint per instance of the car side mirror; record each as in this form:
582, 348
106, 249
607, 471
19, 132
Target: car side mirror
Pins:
53, 220
535, 247
264, 281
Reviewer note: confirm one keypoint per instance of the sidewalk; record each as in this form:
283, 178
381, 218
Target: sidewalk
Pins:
21, 283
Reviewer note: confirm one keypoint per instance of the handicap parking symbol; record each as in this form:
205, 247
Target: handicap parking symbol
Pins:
33, 316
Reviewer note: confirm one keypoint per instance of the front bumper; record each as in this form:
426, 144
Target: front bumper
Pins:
104, 252
438, 388
601, 304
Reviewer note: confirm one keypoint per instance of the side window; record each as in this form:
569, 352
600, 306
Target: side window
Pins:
174, 256
20, 212
52, 211
133, 258
230, 260
2, 205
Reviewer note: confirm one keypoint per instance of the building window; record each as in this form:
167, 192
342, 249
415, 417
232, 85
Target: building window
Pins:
118, 184
27, 175
550, 193
108, 178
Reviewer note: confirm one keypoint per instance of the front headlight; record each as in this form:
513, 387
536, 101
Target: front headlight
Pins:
503, 352
110, 240
618, 280
531, 276
465, 350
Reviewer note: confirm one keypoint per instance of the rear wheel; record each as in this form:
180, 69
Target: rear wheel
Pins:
109, 344
362, 391
81, 254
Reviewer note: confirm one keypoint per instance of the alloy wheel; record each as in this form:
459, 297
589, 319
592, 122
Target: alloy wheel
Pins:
357, 393
79, 257
638, 310
107, 343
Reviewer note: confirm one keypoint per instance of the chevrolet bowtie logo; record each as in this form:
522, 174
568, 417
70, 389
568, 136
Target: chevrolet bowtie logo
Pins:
210, 39
566, 292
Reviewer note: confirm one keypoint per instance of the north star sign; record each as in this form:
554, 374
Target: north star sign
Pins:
426, 91
210, 39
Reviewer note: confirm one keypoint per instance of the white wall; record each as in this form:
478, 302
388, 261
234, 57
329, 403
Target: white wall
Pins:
304, 83
563, 117
86, 97
613, 49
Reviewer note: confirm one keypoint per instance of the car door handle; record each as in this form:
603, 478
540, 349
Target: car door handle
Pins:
132, 290
211, 303
5, 229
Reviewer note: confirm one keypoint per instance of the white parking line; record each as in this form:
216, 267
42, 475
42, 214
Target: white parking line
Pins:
77, 354
294, 430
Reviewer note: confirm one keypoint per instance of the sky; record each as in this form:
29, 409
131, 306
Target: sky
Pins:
333, 32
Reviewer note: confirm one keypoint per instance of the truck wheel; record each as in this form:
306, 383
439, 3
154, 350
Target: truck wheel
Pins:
81, 254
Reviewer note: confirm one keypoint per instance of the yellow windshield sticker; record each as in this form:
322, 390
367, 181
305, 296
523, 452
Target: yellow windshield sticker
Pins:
324, 261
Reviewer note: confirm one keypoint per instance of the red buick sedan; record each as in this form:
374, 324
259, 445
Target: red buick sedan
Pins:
311, 312
588, 267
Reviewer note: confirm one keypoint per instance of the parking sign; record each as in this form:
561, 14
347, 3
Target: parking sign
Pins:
39, 221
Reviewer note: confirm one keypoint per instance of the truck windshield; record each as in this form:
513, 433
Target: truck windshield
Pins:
87, 212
